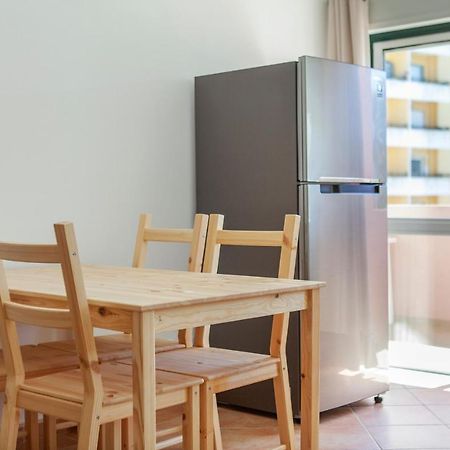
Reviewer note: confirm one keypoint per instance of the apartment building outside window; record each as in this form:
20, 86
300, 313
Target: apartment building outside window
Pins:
417, 66
418, 132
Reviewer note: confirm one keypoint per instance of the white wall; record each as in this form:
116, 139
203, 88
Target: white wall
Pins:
389, 13
96, 107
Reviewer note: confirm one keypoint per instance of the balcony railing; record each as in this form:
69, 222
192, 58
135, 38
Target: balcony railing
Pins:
419, 186
434, 138
418, 90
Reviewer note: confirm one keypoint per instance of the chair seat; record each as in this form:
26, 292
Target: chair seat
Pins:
112, 347
40, 361
117, 384
211, 363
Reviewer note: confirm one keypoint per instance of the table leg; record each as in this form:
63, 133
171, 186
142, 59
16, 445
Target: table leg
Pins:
144, 383
309, 365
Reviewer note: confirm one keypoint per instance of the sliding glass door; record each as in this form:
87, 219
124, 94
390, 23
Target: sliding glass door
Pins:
417, 65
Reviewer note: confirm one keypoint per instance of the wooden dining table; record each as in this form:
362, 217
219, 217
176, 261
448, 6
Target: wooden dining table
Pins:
144, 302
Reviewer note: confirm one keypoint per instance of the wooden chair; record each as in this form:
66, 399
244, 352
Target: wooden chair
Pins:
223, 369
118, 346
195, 237
95, 393
38, 361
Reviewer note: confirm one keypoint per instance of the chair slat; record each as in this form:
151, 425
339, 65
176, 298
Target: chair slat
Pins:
37, 316
168, 235
45, 254
250, 238
287, 241
195, 236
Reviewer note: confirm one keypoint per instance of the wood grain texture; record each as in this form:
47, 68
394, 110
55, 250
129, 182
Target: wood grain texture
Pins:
38, 316
173, 299
91, 394
109, 347
130, 289
195, 237
227, 311
309, 363
30, 253
144, 382
226, 369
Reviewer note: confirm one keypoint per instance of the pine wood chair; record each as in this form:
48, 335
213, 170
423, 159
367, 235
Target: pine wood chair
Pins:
118, 346
95, 393
114, 347
195, 237
223, 369
38, 361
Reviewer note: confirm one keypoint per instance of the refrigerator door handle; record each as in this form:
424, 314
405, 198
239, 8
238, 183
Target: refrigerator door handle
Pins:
348, 180
350, 188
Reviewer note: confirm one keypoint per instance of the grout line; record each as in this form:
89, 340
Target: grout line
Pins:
415, 396
365, 428
435, 415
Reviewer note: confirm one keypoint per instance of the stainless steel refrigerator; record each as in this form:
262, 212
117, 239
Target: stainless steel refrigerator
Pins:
304, 137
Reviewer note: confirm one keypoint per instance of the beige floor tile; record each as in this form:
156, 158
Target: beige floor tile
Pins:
439, 396
408, 419
394, 397
396, 415
411, 437
340, 429
256, 438
233, 418
344, 439
340, 417
442, 412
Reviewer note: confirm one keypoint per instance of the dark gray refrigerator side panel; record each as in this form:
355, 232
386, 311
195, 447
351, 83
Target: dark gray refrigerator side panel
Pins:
246, 169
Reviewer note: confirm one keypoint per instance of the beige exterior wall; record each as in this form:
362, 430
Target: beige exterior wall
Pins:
400, 63
397, 161
397, 112
444, 162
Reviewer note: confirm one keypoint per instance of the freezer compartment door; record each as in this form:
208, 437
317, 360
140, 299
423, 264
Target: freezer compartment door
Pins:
342, 129
346, 246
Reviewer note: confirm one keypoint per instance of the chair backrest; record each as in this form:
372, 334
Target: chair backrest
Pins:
75, 316
287, 240
195, 236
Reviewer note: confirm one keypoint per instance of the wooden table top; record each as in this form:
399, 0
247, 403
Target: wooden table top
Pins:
148, 289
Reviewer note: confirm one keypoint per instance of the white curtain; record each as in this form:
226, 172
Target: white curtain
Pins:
348, 31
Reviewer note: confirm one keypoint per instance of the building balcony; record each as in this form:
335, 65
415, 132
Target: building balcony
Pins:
435, 138
418, 90
419, 186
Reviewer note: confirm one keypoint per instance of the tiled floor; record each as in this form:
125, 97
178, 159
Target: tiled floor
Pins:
415, 414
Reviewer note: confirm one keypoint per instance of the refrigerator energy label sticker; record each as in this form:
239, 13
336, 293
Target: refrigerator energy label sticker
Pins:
379, 89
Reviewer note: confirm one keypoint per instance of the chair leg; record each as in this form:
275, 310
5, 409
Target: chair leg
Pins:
112, 431
50, 433
206, 417
101, 445
88, 431
284, 408
10, 425
32, 427
218, 445
127, 434
191, 420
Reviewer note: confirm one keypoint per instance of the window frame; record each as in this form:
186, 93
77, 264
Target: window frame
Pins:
381, 42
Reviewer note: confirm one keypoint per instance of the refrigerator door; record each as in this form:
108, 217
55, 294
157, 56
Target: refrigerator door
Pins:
345, 242
342, 124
